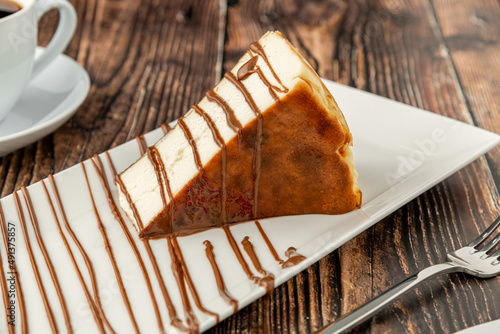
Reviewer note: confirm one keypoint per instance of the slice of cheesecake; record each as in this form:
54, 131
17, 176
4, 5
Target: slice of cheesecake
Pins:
269, 140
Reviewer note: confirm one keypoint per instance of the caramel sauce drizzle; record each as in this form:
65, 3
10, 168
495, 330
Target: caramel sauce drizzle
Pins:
248, 247
111, 256
160, 172
46, 257
175, 321
48, 310
251, 67
189, 281
257, 157
247, 68
256, 48
165, 128
231, 119
237, 252
155, 160
294, 258
192, 143
268, 243
244, 265
222, 144
97, 312
6, 301
99, 168
142, 144
178, 272
209, 251
84, 255
123, 189
163, 182
268, 280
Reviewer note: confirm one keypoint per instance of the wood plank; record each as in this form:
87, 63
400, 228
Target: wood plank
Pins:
470, 31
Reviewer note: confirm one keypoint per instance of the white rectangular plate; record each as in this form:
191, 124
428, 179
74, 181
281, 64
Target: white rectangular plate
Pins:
400, 151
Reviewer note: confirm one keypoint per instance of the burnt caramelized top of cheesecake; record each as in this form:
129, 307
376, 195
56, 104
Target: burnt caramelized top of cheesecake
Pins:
292, 158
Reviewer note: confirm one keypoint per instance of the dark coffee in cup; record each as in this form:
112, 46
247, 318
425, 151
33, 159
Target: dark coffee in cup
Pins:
8, 7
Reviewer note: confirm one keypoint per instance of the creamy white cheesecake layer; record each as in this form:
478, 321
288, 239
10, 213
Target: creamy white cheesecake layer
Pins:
140, 178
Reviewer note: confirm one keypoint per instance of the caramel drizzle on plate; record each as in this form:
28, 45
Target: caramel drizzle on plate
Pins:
268, 280
178, 272
188, 280
294, 258
111, 256
70, 231
46, 257
34, 267
209, 252
99, 168
94, 305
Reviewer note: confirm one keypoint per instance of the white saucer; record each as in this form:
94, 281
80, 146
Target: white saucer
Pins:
47, 102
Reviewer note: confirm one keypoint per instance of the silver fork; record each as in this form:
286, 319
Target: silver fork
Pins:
468, 259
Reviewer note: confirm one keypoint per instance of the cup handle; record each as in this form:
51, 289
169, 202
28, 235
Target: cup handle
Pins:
62, 36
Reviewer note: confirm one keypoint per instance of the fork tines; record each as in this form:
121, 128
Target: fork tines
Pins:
483, 236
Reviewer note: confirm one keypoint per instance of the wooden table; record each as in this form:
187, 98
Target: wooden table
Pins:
150, 60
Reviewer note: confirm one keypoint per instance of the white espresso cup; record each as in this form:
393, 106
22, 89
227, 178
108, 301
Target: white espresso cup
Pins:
18, 39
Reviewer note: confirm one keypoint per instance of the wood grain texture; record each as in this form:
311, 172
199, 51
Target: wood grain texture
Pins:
150, 60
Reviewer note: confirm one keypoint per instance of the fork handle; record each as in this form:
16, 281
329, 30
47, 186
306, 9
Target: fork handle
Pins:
375, 305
